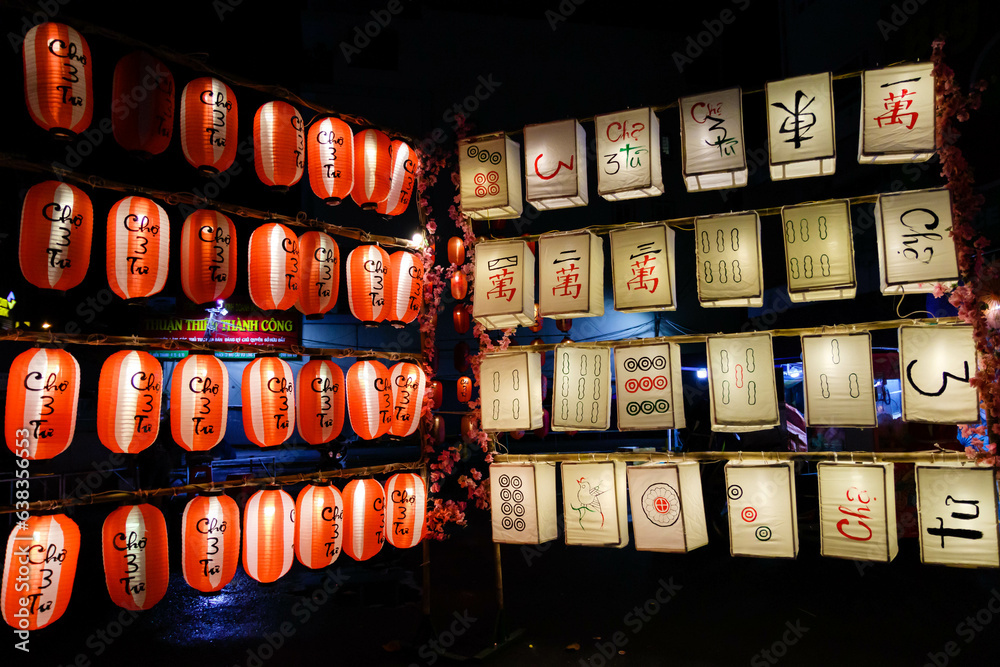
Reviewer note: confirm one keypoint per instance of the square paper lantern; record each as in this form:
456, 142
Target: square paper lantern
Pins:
935, 366
668, 511
642, 266
762, 517
857, 511
819, 251
628, 155
957, 506
595, 513
490, 170
504, 293
570, 275
581, 395
741, 377
648, 384
713, 155
897, 114
915, 247
839, 384
523, 502
800, 127
727, 248
511, 391
555, 169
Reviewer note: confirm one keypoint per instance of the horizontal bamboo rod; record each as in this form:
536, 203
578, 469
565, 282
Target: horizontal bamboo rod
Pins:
926, 456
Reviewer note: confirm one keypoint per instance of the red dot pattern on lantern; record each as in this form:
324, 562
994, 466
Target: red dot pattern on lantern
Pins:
460, 318
369, 281
369, 399
268, 401
406, 496
372, 168
42, 388
459, 285
364, 518
320, 401
199, 402
48, 583
128, 401
57, 223
319, 524
331, 159
142, 126
319, 271
209, 125
401, 180
404, 301
210, 541
268, 535
273, 267
138, 247
464, 389
208, 256
456, 250
58, 79
408, 384
278, 145
136, 560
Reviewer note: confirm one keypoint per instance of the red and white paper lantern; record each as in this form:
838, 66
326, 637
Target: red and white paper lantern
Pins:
136, 560
364, 518
319, 524
369, 399
57, 223
268, 401
408, 385
320, 401
331, 160
406, 496
128, 401
403, 176
273, 267
210, 541
199, 402
406, 297
369, 282
268, 535
142, 104
209, 125
58, 79
43, 386
372, 168
45, 577
319, 285
138, 247
278, 145
208, 256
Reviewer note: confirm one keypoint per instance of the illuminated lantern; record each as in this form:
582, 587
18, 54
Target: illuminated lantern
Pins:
138, 247
582, 382
372, 168
800, 130
741, 376
369, 281
713, 151
209, 125
467, 428
762, 514
957, 506
273, 267
402, 179
408, 384
43, 386
517, 435
595, 509
136, 560
319, 271
543, 430
331, 159
555, 169
437, 394
857, 511
364, 518
537, 325
459, 285
210, 541
727, 251
510, 391
819, 251
915, 247
456, 250
279, 144
58, 79
369, 399
47, 582
268, 401
648, 383
128, 401
897, 114
571, 275
319, 524
404, 300
142, 104
406, 497
838, 385
672, 516
437, 432
505, 285
464, 388
460, 318
490, 173
268, 534
460, 356
535, 343
199, 402
564, 326
208, 256
628, 143
642, 266
320, 401
936, 364
523, 502
57, 222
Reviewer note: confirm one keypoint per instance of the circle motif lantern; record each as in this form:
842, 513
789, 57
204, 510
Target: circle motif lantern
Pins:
364, 518
319, 524
128, 401
331, 159
208, 256
57, 223
199, 402
48, 581
209, 125
273, 265
320, 401
268, 535
138, 247
43, 386
142, 104
278, 145
210, 541
58, 79
136, 561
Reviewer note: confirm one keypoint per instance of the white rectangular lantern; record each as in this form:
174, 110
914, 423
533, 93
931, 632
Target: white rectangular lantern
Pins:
581, 388
762, 515
713, 155
511, 391
490, 170
570, 275
595, 513
897, 114
642, 267
727, 250
523, 502
819, 251
839, 384
915, 247
504, 291
800, 127
668, 510
555, 169
741, 376
935, 366
957, 506
857, 511
628, 155
648, 385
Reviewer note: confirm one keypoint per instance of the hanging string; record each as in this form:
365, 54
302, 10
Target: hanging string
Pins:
910, 315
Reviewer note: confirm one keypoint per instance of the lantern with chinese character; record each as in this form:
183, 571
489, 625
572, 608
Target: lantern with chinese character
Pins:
505, 284
138, 246
210, 541
464, 389
800, 130
761, 504
268, 534
571, 275
459, 285
713, 154
136, 561
460, 318
268, 401
58, 79
819, 251
510, 390
46, 581
936, 365
523, 502
278, 145
199, 402
128, 401
648, 384
857, 511
372, 168
456, 250
142, 104
369, 281
43, 386
668, 511
582, 381
369, 399
628, 154
408, 384
741, 377
57, 222
319, 271
320, 401
403, 177
642, 265
915, 247
897, 114
331, 159
406, 500
957, 506
364, 518
838, 385
273, 267
208, 256
556, 164
209, 125
490, 168
404, 300
319, 524
727, 250
595, 510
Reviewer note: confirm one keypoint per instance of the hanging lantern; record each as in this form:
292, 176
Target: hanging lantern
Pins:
278, 145
58, 79
408, 384
467, 427
320, 274
839, 385
43, 386
372, 168
57, 222
628, 143
403, 177
456, 250
199, 402
138, 246
460, 318
555, 169
897, 114
320, 401
404, 300
915, 247
517, 435
208, 256
595, 511
543, 430
331, 160
582, 381
406, 496
857, 511
727, 251
364, 518
490, 171
741, 377
535, 343
801, 136
369, 399
268, 401
210, 541
564, 326
268, 534
464, 389
957, 507
459, 285
510, 391
319, 524
209, 125
713, 150
648, 384
505, 284
571, 275
142, 104
762, 515
437, 431
273, 267
523, 502
642, 266
136, 560
936, 366
437, 394
537, 325
128, 401
46, 582
460, 356
672, 516
369, 281
819, 251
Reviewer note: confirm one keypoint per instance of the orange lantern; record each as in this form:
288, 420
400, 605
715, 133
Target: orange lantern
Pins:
208, 256
456, 250
406, 496
210, 541
57, 223
537, 326
564, 325
437, 394
460, 318
128, 401
437, 432
320, 401
136, 561
319, 285
43, 580
369, 399
138, 247
402, 177
273, 265
209, 125
268, 401
364, 518
331, 160
43, 386
369, 281
372, 168
268, 534
408, 386
319, 519
58, 79
468, 429
459, 285
142, 104
278, 145
517, 435
404, 300
199, 402
460, 356
464, 389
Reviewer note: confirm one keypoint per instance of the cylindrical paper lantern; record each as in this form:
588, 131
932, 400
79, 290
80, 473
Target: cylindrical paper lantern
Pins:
208, 256
128, 401
278, 145
319, 271
45, 578
408, 386
58, 79
57, 223
369, 281
459, 285
406, 496
331, 159
364, 518
320, 401
210, 541
268, 534
273, 267
546, 421
402, 178
437, 394
517, 435
437, 432
464, 389
404, 300
209, 125
369, 399
460, 318
136, 561
138, 247
199, 402
43, 386
456, 250
372, 168
468, 428
142, 104
564, 325
319, 524
268, 401
460, 356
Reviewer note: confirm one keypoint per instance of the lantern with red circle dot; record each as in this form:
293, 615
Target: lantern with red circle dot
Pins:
437, 394
208, 256
58, 79
320, 401
372, 168
406, 496
402, 178
456, 250
128, 401
408, 384
319, 285
142, 104
464, 389
330, 154
459, 285
43, 386
209, 125
199, 402
57, 223
404, 301
136, 560
210, 541
268, 401
45, 581
138, 247
364, 518
369, 281
369, 399
319, 524
268, 534
279, 145
460, 356
460, 318
273, 267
